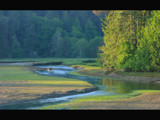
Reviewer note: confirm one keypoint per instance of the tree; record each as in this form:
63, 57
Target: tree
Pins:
4, 43
90, 29
112, 36
148, 53
66, 21
36, 32
81, 48
56, 43
125, 32
94, 43
16, 48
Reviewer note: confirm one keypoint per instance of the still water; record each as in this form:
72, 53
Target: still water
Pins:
106, 87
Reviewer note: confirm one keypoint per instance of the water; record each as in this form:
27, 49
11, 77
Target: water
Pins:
63, 71
106, 87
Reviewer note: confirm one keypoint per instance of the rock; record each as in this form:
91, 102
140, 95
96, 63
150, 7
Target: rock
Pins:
112, 74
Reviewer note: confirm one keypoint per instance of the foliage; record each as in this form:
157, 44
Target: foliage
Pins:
111, 36
131, 41
49, 33
148, 52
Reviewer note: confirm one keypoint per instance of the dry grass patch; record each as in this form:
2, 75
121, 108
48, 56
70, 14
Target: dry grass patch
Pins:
18, 83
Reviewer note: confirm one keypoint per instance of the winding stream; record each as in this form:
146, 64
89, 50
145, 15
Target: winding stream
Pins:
106, 87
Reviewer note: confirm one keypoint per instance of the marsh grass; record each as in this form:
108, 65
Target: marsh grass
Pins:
19, 83
85, 102
66, 61
141, 74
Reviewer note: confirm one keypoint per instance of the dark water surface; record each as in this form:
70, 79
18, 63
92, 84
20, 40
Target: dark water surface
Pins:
106, 87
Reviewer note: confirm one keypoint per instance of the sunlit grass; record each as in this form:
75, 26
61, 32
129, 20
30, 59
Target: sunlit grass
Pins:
19, 83
114, 97
80, 102
87, 67
80, 83
30, 85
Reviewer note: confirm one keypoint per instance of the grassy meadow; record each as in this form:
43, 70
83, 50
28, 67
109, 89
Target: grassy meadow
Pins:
121, 101
19, 83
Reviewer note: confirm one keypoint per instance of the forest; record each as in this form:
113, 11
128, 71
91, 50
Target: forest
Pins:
121, 39
49, 34
79, 59
131, 41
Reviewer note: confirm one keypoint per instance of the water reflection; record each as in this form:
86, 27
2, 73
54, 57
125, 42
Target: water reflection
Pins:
120, 86
109, 85
106, 87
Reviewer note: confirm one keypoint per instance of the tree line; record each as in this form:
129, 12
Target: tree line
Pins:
131, 40
49, 33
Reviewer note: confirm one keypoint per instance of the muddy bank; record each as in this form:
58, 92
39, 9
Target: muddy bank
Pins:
14, 100
48, 63
27, 103
135, 78
77, 67
113, 75
67, 93
31, 63
146, 101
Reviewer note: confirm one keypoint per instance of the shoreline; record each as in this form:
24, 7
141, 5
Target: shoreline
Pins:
119, 76
47, 96
43, 96
99, 73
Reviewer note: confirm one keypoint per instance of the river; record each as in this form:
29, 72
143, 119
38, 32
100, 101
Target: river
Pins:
106, 87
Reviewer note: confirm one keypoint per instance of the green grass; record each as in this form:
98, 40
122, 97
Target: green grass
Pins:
87, 67
21, 73
19, 83
66, 61
77, 103
98, 72
141, 74
114, 97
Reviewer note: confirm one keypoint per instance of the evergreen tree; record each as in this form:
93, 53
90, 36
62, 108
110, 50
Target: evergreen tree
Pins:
112, 38
148, 53
90, 29
66, 21
34, 31
16, 48
81, 48
56, 43
131, 41
4, 43
94, 44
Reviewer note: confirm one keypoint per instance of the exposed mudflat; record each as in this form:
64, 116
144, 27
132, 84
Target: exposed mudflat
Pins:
122, 77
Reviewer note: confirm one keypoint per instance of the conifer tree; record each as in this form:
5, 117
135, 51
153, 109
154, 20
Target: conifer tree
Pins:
148, 53
16, 48
112, 36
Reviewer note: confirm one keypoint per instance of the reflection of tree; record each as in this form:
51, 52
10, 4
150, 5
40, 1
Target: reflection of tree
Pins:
120, 86
117, 86
113, 85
